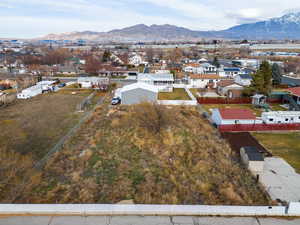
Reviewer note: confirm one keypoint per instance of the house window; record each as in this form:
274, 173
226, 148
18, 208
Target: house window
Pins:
271, 120
286, 119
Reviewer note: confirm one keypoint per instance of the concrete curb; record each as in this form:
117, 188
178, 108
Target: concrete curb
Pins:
149, 210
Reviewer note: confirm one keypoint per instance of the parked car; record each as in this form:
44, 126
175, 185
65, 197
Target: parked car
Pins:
116, 101
61, 85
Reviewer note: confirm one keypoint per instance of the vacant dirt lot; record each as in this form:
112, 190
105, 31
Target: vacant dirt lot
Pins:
33, 126
148, 154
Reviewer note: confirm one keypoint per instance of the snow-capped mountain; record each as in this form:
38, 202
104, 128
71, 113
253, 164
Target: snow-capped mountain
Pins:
288, 18
285, 27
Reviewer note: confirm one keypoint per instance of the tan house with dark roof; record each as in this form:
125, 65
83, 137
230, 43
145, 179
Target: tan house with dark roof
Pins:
225, 87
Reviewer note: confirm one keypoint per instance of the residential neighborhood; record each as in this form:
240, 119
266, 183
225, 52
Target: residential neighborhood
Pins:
152, 121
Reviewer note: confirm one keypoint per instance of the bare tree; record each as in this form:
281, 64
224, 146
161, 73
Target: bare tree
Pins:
150, 55
92, 65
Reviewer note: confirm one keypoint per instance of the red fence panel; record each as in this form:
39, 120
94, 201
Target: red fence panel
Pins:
204, 100
258, 127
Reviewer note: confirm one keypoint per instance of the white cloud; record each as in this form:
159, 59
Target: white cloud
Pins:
103, 15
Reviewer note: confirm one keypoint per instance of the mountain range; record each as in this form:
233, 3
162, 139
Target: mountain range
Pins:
285, 27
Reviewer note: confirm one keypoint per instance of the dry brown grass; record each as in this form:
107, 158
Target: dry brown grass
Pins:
117, 156
34, 125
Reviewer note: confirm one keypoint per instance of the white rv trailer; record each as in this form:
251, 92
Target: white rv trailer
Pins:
281, 117
36, 89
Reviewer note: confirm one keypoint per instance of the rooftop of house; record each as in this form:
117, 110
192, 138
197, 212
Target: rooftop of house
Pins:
294, 91
225, 83
192, 65
205, 76
245, 76
232, 69
207, 65
156, 76
253, 153
144, 86
93, 79
237, 114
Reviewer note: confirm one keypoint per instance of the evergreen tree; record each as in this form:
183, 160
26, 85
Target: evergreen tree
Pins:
262, 81
276, 74
216, 62
106, 56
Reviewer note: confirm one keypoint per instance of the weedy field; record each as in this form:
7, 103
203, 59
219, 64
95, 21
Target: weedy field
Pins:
33, 125
146, 153
28, 129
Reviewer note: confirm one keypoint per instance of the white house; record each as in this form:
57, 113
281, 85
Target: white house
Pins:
162, 71
202, 60
254, 63
230, 71
200, 68
89, 82
243, 79
164, 82
224, 86
136, 60
233, 116
209, 68
253, 159
193, 68
204, 80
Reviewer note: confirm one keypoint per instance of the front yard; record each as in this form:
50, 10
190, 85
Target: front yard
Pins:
285, 145
177, 94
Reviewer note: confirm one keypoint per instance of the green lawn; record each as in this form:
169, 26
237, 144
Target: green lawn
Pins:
277, 107
285, 145
177, 94
257, 111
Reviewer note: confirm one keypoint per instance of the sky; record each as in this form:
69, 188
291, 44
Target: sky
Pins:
36, 18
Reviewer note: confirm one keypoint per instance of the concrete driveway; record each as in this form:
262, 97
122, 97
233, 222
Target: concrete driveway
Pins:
280, 180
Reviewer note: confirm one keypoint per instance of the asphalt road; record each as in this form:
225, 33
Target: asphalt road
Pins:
139, 220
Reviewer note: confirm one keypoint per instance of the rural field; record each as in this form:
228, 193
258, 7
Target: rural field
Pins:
284, 145
144, 154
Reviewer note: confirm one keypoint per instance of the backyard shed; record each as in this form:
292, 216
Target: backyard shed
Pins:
137, 93
233, 116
